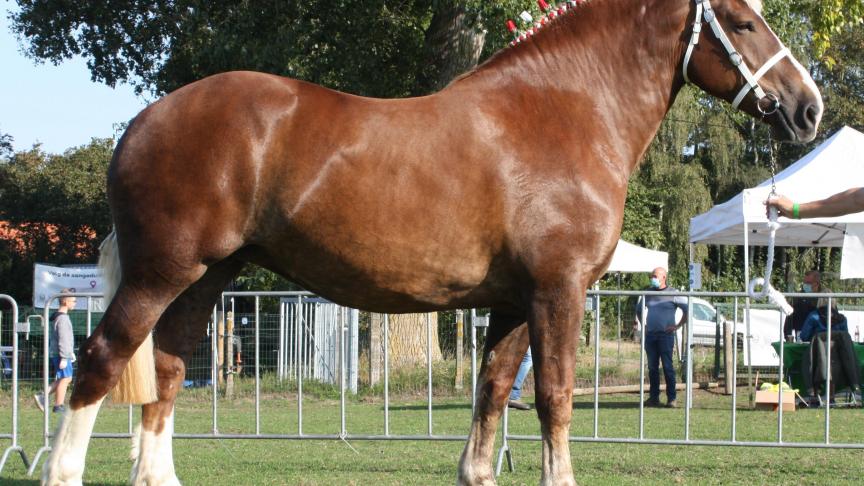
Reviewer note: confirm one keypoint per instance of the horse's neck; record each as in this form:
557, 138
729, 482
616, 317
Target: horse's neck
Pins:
615, 61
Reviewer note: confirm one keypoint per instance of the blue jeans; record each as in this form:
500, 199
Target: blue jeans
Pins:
658, 347
524, 368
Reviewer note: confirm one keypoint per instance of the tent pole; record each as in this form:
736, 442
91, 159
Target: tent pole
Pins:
691, 249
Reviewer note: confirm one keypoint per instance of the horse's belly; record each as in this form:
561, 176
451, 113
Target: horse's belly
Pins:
375, 280
393, 271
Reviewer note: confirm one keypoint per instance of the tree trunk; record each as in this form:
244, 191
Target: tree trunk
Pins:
407, 339
376, 358
454, 41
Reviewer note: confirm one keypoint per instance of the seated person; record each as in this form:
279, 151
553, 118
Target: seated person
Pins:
803, 306
817, 321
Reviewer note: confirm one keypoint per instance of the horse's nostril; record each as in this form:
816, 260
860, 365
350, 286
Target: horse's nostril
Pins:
811, 115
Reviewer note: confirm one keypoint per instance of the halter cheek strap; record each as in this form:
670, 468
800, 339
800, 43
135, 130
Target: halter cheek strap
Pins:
704, 11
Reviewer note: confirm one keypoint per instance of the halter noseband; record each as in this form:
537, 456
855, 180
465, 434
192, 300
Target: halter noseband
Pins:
704, 11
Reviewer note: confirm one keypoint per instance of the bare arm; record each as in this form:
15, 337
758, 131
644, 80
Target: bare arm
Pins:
846, 202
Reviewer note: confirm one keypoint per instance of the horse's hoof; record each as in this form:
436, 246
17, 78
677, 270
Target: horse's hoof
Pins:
476, 479
559, 481
49, 480
54, 474
476, 482
151, 481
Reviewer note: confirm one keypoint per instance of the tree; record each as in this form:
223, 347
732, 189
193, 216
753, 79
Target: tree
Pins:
406, 336
829, 18
452, 45
368, 48
5, 145
55, 209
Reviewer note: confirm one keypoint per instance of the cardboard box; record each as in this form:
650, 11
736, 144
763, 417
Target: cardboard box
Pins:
767, 400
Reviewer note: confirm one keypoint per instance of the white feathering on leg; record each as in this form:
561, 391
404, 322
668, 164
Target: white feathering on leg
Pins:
154, 464
65, 464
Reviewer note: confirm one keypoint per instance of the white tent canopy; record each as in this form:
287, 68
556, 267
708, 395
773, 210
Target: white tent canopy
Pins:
835, 165
631, 258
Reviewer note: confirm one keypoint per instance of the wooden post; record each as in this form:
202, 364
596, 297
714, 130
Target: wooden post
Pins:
460, 326
220, 346
229, 354
376, 324
729, 344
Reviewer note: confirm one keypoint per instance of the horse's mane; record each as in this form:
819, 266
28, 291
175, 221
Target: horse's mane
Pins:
518, 48
514, 49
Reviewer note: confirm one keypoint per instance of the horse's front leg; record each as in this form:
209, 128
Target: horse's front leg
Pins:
506, 344
554, 323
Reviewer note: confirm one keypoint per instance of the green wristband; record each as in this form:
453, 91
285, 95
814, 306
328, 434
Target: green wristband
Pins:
796, 211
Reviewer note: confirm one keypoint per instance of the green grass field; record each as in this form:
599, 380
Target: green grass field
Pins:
249, 462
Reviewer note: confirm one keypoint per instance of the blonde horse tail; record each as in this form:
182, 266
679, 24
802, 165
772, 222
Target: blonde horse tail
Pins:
137, 384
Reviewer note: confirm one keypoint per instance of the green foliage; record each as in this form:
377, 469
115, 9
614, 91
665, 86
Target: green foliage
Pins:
373, 48
843, 84
828, 18
254, 277
5, 145
57, 204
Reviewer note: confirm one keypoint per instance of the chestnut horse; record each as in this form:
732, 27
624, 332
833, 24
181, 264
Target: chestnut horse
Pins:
505, 190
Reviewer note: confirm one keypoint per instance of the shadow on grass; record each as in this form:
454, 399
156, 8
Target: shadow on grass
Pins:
31, 482
605, 405
445, 406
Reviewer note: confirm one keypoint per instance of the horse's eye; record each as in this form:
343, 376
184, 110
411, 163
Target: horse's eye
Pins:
745, 27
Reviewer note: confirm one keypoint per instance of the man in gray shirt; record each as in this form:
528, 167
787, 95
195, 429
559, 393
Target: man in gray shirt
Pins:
62, 354
660, 335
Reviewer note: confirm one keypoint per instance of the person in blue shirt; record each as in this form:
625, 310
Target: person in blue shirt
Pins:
817, 321
660, 335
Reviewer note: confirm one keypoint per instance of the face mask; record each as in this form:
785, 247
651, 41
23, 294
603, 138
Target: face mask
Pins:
807, 288
655, 283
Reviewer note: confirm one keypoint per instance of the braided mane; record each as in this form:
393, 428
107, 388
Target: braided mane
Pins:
545, 23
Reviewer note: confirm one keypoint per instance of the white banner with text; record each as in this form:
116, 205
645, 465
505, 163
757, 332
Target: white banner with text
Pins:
49, 280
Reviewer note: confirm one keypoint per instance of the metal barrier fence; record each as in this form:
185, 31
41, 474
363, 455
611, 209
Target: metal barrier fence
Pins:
13, 434
308, 334
47, 435
596, 295
306, 317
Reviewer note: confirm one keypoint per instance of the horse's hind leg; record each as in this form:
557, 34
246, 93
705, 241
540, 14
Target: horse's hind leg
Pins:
177, 332
134, 311
506, 344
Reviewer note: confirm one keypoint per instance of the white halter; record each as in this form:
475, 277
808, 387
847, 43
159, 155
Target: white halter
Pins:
704, 10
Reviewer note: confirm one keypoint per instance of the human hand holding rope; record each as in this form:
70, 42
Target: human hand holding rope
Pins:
785, 207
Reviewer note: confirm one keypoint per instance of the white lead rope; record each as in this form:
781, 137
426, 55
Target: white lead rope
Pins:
774, 295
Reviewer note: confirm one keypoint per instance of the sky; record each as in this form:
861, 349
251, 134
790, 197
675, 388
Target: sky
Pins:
57, 106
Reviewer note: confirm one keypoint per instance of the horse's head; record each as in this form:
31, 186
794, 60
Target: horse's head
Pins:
738, 58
